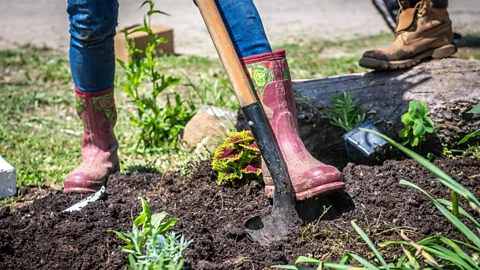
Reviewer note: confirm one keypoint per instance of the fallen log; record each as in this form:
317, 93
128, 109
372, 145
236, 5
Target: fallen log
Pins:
450, 87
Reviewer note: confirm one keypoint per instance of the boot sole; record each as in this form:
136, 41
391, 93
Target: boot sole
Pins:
323, 189
81, 190
438, 53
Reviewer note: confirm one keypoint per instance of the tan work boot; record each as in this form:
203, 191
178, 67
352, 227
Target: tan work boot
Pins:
422, 31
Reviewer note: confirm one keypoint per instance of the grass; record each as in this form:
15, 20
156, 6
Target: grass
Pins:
40, 132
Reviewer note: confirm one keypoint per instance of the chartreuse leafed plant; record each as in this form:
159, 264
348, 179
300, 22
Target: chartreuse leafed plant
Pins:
238, 159
345, 112
151, 245
416, 124
160, 125
435, 252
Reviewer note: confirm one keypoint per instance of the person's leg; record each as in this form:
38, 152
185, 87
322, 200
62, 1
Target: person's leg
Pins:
269, 74
92, 62
423, 30
244, 26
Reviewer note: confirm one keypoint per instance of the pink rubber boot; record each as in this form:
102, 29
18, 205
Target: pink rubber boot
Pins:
270, 76
99, 145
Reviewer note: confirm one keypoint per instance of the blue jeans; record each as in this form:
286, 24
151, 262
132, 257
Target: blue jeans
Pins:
92, 29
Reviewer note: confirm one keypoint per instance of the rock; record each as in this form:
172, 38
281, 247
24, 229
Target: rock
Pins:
207, 129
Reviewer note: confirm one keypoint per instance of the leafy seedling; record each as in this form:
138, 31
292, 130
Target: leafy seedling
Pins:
345, 112
160, 126
416, 124
151, 245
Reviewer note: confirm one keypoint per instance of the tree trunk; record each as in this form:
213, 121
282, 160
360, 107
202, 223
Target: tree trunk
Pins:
450, 87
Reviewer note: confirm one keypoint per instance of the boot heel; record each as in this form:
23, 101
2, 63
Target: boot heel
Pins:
444, 51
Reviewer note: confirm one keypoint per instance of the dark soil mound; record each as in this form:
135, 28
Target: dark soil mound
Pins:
38, 236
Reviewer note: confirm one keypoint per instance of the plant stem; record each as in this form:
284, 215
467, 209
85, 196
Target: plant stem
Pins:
455, 203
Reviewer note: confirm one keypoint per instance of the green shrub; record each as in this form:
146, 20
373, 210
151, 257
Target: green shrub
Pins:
160, 126
238, 159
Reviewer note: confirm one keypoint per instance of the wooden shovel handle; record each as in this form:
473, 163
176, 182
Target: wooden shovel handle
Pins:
226, 52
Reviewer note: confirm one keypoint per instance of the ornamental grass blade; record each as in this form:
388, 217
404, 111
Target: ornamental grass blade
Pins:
444, 178
475, 109
370, 244
454, 220
365, 263
462, 212
448, 255
458, 251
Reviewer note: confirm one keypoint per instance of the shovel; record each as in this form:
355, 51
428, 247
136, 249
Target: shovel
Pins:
277, 225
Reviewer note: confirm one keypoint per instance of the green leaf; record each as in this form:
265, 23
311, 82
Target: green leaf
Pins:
418, 128
156, 11
157, 219
121, 235
455, 203
140, 29
303, 259
162, 228
469, 136
417, 109
406, 119
370, 244
140, 220
475, 109
365, 262
464, 213
345, 258
145, 2
404, 132
428, 124
145, 208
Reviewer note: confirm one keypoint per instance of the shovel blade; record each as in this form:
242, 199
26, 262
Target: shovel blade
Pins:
272, 228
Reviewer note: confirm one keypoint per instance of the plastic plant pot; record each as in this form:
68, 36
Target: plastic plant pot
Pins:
362, 146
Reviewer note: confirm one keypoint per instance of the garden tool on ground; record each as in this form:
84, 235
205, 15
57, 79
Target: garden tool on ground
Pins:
278, 225
91, 198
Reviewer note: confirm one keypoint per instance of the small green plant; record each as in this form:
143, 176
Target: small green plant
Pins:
151, 245
416, 124
237, 160
345, 112
160, 126
435, 252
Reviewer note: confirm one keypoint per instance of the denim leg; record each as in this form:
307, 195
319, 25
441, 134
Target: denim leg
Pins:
244, 27
92, 54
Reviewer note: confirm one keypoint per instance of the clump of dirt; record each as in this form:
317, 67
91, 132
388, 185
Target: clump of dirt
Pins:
39, 236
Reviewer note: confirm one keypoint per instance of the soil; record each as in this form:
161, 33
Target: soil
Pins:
35, 234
